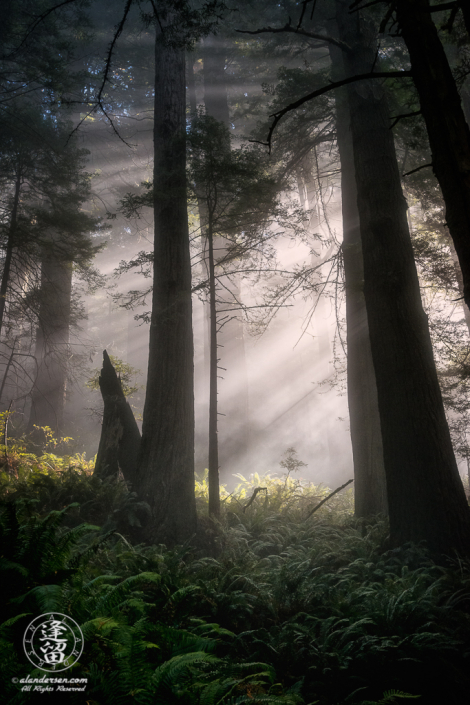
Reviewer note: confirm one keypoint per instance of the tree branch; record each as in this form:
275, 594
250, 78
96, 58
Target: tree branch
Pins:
253, 496
447, 27
397, 118
296, 30
334, 84
107, 69
304, 7
326, 499
117, 34
41, 18
413, 171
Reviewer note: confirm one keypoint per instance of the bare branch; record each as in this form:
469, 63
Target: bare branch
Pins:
413, 171
296, 30
330, 87
253, 496
327, 498
41, 18
117, 34
397, 118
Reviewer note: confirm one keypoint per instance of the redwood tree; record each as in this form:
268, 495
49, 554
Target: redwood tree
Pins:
448, 131
425, 493
166, 465
370, 493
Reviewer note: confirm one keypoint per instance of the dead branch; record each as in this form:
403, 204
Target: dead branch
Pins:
253, 496
327, 498
413, 171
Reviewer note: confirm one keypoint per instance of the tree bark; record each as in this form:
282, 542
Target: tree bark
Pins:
9, 249
425, 493
120, 435
448, 132
370, 492
52, 344
167, 450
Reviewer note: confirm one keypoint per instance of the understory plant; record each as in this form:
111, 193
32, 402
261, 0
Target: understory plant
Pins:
291, 607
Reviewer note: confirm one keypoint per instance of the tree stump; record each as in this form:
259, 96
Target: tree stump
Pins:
120, 436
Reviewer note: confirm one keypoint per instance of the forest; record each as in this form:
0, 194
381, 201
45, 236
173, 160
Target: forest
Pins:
234, 352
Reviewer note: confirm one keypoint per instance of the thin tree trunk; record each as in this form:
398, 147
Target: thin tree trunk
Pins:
448, 132
214, 492
52, 344
7, 369
120, 435
9, 249
234, 424
167, 450
425, 493
370, 493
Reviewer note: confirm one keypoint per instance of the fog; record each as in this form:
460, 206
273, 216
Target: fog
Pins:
280, 388
277, 390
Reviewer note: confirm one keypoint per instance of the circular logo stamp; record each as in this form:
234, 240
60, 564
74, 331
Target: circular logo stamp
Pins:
53, 642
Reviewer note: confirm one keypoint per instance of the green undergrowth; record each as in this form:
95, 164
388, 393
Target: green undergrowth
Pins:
283, 607
52, 482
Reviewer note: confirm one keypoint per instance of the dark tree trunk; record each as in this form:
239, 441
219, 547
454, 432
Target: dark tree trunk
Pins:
370, 493
52, 344
9, 249
120, 435
425, 493
167, 450
448, 132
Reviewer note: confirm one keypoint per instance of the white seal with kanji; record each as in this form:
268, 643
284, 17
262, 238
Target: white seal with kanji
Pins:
53, 642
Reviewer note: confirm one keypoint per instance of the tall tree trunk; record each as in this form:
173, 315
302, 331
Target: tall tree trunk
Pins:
214, 490
9, 248
448, 132
370, 492
234, 431
166, 462
425, 493
52, 343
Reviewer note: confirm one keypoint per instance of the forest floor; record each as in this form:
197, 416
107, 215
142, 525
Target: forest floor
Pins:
275, 607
